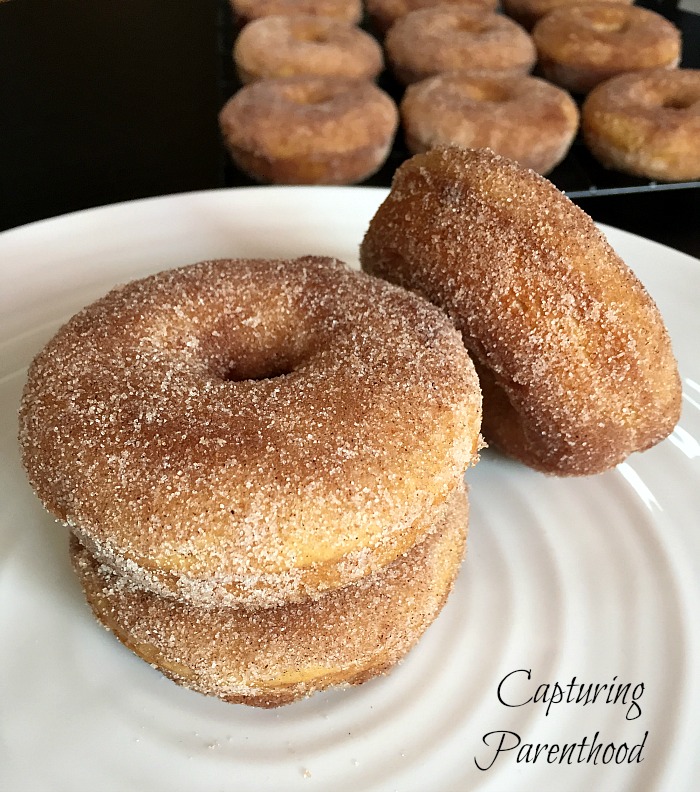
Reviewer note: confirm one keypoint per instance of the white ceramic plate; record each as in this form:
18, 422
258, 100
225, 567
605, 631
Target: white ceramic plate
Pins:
593, 578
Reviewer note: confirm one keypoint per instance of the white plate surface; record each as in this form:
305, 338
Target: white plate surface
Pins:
593, 578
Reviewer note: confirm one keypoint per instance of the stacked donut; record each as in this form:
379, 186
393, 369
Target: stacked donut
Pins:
260, 463
309, 111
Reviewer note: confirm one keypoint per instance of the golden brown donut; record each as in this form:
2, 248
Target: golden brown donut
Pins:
383, 13
574, 359
583, 45
272, 656
287, 46
523, 117
448, 38
647, 123
528, 12
249, 431
309, 130
349, 11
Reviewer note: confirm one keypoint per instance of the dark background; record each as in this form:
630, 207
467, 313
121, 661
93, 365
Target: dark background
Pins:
109, 100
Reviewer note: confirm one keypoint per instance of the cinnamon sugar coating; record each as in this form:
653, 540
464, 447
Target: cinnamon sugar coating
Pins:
249, 431
272, 656
574, 359
383, 13
528, 12
582, 45
287, 46
522, 117
457, 38
349, 11
309, 130
647, 123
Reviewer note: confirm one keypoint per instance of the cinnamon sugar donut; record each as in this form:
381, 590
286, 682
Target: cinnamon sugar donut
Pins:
309, 130
448, 38
287, 46
573, 357
349, 11
250, 432
583, 45
383, 13
647, 124
524, 118
528, 12
272, 656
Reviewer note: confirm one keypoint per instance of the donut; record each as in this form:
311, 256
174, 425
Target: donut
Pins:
574, 360
647, 124
287, 46
523, 118
271, 656
309, 130
582, 45
383, 13
250, 432
528, 12
447, 38
245, 11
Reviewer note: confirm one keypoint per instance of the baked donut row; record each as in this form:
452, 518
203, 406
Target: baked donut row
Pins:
466, 69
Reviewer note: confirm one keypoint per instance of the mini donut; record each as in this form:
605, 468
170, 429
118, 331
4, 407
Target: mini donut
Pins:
647, 124
272, 656
349, 11
583, 45
287, 46
383, 13
448, 38
309, 130
523, 118
250, 432
528, 12
573, 357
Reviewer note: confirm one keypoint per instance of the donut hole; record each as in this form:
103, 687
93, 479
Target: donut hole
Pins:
258, 370
608, 21
311, 36
483, 92
308, 94
469, 25
678, 102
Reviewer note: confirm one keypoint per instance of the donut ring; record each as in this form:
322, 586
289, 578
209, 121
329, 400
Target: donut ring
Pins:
647, 124
581, 46
309, 130
287, 46
447, 38
528, 12
273, 656
523, 118
574, 360
383, 13
250, 432
245, 11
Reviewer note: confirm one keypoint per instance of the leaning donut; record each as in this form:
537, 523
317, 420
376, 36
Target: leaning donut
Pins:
647, 124
574, 359
250, 432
